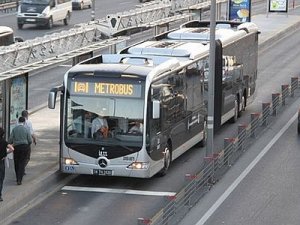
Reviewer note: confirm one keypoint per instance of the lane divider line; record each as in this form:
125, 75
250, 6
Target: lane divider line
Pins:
117, 191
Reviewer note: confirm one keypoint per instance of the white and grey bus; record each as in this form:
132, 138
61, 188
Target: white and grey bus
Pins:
159, 85
236, 63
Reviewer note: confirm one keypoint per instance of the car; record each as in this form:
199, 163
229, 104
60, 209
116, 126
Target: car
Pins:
43, 12
81, 4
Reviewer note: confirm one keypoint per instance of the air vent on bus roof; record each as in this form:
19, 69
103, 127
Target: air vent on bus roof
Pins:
199, 34
167, 48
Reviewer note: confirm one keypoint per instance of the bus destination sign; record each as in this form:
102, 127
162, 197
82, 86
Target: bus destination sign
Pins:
106, 89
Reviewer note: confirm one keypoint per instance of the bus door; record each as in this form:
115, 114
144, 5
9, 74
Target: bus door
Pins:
228, 93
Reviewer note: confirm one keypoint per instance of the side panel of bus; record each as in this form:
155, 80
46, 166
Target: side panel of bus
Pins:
182, 113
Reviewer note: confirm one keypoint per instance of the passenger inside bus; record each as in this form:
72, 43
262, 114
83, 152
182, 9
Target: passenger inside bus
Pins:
137, 127
99, 127
81, 124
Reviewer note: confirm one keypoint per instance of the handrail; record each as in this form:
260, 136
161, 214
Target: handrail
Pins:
8, 6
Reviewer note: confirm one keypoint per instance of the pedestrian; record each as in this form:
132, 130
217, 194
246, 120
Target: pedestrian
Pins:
28, 125
4, 149
21, 139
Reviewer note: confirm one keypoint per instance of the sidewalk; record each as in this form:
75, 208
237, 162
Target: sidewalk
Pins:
42, 174
41, 170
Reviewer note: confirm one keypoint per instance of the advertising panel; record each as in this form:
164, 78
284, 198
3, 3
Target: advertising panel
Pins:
18, 99
240, 10
278, 5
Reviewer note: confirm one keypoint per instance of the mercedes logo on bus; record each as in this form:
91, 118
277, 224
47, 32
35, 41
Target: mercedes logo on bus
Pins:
102, 163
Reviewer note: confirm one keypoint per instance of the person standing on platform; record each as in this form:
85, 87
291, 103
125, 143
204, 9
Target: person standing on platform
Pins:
21, 139
28, 125
4, 149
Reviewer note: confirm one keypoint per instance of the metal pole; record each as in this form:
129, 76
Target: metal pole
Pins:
93, 11
211, 80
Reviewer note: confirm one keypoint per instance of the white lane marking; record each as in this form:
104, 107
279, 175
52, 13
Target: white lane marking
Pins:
64, 65
231, 188
124, 3
118, 191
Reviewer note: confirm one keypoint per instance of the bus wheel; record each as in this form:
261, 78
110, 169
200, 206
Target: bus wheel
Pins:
20, 26
50, 23
202, 143
167, 161
242, 106
236, 112
67, 19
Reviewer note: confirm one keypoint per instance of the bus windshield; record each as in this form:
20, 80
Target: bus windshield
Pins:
36, 2
111, 119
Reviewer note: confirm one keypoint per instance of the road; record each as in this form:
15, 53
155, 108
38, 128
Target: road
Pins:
102, 8
262, 187
270, 193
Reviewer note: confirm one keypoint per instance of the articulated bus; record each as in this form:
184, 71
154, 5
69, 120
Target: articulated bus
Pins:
236, 62
159, 86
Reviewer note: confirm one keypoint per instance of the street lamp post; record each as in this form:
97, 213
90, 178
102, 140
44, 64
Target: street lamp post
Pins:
93, 11
211, 79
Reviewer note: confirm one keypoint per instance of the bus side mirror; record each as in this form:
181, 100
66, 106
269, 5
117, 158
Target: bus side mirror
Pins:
52, 99
52, 96
156, 109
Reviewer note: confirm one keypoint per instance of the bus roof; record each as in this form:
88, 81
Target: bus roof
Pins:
198, 31
118, 65
169, 48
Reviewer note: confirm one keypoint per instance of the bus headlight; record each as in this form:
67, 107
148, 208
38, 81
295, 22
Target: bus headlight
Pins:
69, 161
138, 166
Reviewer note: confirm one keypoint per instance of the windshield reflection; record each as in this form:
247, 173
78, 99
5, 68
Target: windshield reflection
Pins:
108, 120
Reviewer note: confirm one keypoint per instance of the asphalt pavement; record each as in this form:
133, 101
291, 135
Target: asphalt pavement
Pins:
42, 176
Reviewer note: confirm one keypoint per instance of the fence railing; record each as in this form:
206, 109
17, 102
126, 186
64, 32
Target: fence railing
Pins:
217, 164
15, 57
7, 5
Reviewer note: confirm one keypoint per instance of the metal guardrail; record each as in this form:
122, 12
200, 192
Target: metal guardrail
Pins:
55, 53
15, 57
8, 6
30, 51
216, 165
148, 14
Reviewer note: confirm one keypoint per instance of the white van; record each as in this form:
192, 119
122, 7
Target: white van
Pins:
80, 4
43, 12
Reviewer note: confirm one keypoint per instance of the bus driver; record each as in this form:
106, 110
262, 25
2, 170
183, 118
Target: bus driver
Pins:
99, 127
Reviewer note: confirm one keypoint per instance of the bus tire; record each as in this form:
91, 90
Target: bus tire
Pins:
236, 112
50, 23
67, 19
203, 142
167, 161
20, 26
242, 106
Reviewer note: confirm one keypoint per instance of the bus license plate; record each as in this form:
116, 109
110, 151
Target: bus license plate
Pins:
102, 172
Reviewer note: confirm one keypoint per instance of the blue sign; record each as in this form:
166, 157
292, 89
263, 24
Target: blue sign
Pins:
240, 10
